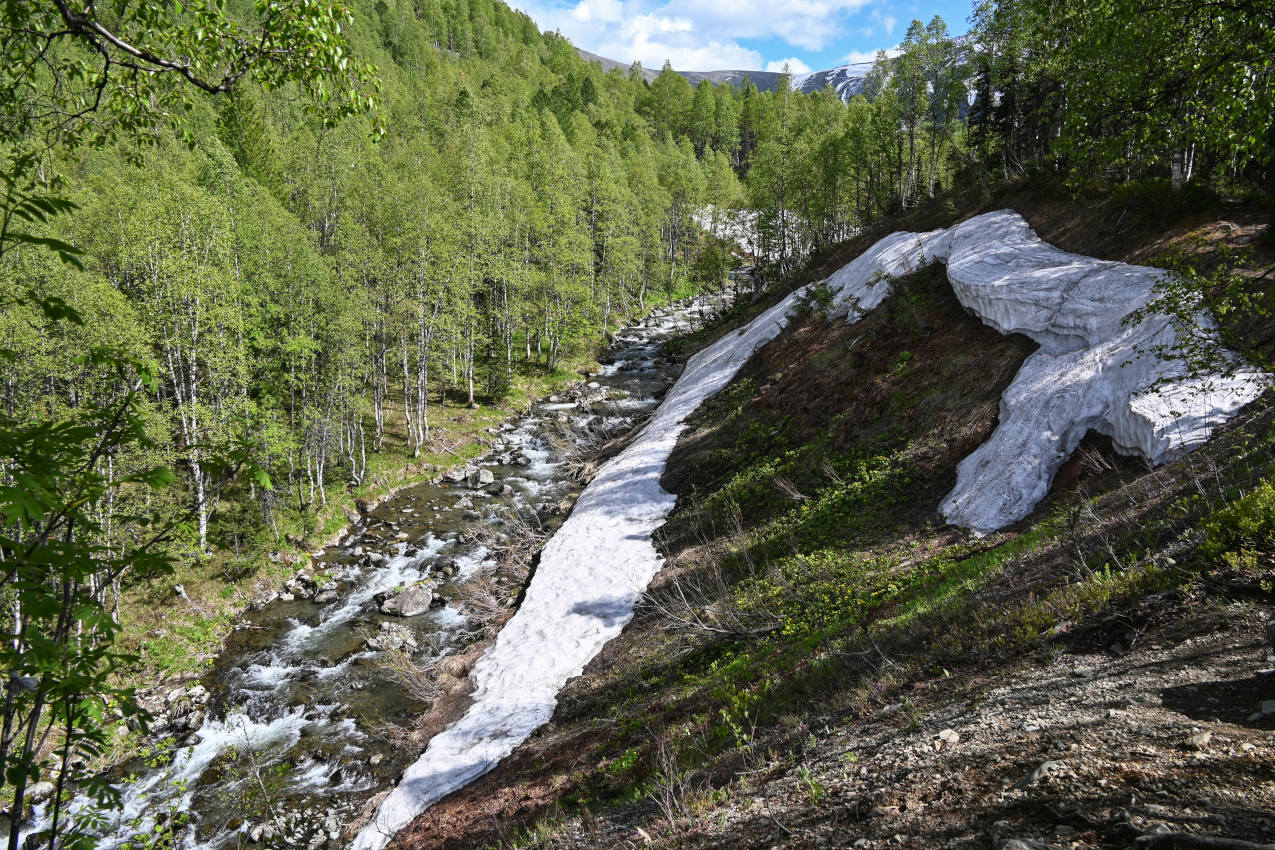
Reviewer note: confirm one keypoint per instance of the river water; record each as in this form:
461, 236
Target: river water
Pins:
303, 721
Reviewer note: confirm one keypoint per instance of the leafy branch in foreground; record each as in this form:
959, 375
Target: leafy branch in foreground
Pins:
63, 485
72, 75
1191, 297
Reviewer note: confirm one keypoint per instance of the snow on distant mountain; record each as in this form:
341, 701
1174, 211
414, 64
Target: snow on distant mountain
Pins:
846, 80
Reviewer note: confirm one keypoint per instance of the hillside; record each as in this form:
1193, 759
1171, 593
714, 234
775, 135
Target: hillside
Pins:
398, 447
824, 663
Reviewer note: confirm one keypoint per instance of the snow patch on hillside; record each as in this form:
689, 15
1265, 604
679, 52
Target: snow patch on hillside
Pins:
846, 80
1093, 371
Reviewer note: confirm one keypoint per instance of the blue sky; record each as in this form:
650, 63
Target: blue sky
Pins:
745, 34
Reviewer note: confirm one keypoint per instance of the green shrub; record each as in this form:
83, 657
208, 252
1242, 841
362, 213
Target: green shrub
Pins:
1244, 527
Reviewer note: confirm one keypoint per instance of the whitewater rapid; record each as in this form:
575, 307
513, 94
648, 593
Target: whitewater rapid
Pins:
1093, 371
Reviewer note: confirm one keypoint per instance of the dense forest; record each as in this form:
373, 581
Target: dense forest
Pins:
217, 308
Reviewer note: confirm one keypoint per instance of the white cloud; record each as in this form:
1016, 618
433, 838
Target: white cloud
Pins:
880, 25
700, 36
609, 11
795, 66
856, 57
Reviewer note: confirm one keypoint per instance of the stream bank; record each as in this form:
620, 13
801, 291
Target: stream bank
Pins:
306, 712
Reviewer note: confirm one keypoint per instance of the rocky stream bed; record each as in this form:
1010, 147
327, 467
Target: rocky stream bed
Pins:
302, 717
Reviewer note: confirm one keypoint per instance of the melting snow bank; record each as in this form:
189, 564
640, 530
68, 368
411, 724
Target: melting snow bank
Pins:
1090, 373
590, 577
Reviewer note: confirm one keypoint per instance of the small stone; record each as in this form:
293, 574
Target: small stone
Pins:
260, 833
949, 737
286, 597
1042, 770
40, 791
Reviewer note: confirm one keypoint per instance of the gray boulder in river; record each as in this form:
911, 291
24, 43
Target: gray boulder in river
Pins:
409, 603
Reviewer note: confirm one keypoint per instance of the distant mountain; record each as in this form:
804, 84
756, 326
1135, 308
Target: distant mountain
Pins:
612, 65
846, 80
764, 80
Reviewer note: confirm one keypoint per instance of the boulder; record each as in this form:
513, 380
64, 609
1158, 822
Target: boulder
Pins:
481, 478
262, 833
411, 602
40, 791
262, 601
392, 637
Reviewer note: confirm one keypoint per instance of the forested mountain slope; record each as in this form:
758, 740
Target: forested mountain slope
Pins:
285, 257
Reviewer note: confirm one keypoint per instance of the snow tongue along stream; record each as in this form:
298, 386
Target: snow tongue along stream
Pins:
294, 727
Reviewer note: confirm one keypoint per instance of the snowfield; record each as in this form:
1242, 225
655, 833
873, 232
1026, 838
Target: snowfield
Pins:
1090, 373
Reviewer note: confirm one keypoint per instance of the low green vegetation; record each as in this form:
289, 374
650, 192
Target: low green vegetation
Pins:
833, 590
